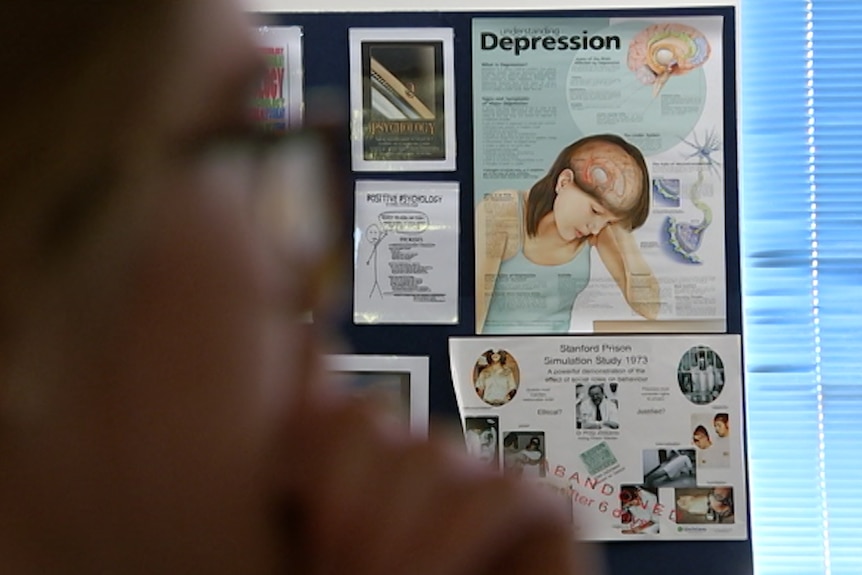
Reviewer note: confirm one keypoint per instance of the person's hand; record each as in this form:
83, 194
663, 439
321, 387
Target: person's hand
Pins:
360, 497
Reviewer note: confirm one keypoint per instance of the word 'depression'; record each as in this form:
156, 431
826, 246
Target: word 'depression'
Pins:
518, 44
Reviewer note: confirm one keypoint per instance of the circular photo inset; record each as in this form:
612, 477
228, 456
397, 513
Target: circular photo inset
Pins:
496, 377
700, 375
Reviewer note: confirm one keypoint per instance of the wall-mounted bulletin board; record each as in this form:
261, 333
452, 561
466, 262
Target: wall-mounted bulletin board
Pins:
544, 205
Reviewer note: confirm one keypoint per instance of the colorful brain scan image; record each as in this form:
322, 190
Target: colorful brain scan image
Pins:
664, 50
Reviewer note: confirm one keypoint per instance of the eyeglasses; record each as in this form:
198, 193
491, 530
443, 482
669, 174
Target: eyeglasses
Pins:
294, 186
300, 207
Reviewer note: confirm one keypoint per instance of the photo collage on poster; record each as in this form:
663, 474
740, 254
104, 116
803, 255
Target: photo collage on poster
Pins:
644, 435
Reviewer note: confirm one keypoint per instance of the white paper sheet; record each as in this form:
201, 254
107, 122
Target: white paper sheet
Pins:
642, 435
406, 252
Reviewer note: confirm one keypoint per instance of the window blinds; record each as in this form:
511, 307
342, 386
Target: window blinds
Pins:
801, 241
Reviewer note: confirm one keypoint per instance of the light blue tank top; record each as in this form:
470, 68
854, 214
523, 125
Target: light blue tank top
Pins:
533, 298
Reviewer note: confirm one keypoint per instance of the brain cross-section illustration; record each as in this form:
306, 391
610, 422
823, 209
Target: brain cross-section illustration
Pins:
664, 50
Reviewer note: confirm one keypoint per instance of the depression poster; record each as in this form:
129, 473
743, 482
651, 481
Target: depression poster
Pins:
599, 194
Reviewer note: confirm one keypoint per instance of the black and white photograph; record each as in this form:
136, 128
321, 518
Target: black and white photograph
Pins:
524, 454
597, 406
669, 468
482, 435
701, 375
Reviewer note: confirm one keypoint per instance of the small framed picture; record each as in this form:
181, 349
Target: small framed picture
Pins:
400, 382
278, 104
402, 99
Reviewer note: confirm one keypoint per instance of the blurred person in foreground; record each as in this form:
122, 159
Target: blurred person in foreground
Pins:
161, 409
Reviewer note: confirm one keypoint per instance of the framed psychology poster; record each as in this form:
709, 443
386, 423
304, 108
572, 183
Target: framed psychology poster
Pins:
402, 99
641, 436
400, 383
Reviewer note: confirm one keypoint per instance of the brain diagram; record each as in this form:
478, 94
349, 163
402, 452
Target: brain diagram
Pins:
684, 238
664, 50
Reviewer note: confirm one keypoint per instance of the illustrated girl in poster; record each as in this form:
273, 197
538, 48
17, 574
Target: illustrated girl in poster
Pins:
533, 247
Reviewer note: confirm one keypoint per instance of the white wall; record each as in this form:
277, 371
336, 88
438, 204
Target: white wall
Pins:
464, 5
